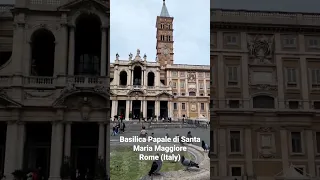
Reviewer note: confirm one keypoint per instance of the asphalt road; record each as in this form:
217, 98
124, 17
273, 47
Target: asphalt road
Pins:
203, 134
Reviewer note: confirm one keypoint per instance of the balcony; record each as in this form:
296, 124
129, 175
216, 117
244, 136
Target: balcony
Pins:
52, 82
85, 81
141, 87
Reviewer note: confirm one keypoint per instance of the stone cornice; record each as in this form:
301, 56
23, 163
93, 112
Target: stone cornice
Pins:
263, 27
265, 20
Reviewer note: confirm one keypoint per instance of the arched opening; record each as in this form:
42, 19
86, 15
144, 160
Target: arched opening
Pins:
150, 79
43, 48
263, 101
88, 45
137, 74
192, 93
123, 78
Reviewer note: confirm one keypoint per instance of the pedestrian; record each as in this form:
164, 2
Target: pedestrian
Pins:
143, 132
189, 135
167, 135
123, 126
113, 130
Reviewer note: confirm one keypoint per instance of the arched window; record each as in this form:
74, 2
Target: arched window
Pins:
192, 94
123, 78
151, 77
88, 48
43, 51
263, 101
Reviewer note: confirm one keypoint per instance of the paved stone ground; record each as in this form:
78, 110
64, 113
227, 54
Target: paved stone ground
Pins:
203, 173
133, 129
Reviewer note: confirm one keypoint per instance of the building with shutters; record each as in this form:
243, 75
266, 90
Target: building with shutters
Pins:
265, 95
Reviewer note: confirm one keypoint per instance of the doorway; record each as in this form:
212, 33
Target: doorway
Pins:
163, 109
84, 144
85, 159
37, 147
150, 109
136, 109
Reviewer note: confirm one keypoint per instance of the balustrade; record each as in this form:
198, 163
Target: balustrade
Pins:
37, 81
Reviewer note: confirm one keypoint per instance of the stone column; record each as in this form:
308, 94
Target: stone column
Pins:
142, 78
129, 78
145, 78
170, 108
145, 109
71, 52
101, 141
208, 110
278, 58
304, 83
114, 108
60, 55
11, 147
64, 49
67, 139
310, 151
107, 141
103, 51
244, 70
199, 106
56, 150
284, 149
27, 58
17, 49
248, 152
127, 109
21, 142
141, 107
157, 83
222, 145
221, 82
179, 110
157, 108
304, 74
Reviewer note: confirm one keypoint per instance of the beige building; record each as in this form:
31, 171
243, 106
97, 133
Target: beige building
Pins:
145, 88
265, 95
54, 85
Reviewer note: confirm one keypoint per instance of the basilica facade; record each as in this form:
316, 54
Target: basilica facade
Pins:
265, 95
54, 85
144, 88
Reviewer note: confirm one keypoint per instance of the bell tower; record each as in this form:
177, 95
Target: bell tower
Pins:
164, 27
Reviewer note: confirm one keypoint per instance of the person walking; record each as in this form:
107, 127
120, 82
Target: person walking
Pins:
143, 132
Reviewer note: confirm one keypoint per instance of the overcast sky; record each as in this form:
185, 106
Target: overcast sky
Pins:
133, 26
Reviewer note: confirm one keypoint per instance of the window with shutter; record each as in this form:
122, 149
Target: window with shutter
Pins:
315, 78
291, 77
233, 76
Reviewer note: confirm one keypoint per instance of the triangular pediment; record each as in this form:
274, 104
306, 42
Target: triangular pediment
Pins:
75, 4
70, 91
6, 102
135, 93
134, 62
164, 94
